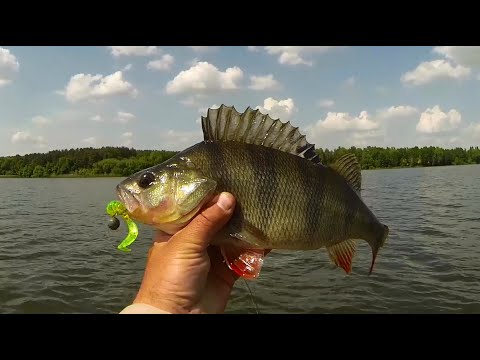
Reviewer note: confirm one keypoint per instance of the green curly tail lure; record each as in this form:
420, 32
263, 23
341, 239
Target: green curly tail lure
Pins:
115, 208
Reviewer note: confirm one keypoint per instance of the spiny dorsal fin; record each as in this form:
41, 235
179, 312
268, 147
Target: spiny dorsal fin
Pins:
253, 127
348, 166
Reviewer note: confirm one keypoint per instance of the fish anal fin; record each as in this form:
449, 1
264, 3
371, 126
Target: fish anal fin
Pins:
246, 263
342, 254
349, 167
253, 127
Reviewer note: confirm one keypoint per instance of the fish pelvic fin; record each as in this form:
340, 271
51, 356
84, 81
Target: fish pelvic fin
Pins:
246, 263
342, 254
349, 167
376, 245
253, 127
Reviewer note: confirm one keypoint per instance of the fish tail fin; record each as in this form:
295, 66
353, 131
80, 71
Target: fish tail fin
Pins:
377, 243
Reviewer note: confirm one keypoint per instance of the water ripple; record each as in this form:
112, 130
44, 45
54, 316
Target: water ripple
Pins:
58, 256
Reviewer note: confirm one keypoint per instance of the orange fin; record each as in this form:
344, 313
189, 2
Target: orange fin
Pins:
342, 254
246, 263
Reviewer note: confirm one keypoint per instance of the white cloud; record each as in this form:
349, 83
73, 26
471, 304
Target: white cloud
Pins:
9, 65
397, 111
429, 71
179, 140
454, 140
343, 129
463, 55
94, 87
25, 137
278, 109
337, 121
133, 50
463, 136
367, 138
434, 120
127, 67
127, 138
295, 55
97, 118
124, 117
266, 82
41, 120
253, 48
203, 49
474, 129
90, 140
326, 103
8, 60
204, 78
164, 63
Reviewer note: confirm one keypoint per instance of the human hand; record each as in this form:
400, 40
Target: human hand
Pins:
183, 273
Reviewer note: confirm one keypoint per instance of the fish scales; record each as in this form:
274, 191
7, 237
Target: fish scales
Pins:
294, 204
285, 197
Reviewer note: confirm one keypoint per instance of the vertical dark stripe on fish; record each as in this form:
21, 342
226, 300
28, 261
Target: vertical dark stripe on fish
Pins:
351, 209
218, 165
214, 163
221, 157
312, 197
265, 172
329, 208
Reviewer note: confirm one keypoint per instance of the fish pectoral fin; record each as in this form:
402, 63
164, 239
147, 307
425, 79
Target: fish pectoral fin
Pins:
246, 263
342, 254
247, 233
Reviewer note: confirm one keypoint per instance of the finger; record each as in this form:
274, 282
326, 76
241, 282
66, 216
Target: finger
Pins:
201, 230
219, 266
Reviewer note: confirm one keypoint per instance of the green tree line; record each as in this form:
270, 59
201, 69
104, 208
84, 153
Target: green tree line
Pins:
122, 161
105, 161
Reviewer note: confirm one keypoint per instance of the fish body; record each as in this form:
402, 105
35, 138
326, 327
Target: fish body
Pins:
285, 198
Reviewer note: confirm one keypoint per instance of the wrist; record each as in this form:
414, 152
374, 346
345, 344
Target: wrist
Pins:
166, 304
142, 308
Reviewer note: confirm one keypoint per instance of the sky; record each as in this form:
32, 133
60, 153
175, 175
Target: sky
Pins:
152, 97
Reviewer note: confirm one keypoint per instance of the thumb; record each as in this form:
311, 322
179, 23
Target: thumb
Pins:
207, 222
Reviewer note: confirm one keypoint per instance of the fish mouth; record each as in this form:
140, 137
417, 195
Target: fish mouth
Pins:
127, 198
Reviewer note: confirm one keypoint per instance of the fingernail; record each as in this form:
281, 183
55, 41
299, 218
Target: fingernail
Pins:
225, 201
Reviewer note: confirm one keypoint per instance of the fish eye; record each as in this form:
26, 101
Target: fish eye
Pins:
146, 180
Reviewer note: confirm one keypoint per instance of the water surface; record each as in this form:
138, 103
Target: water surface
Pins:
57, 254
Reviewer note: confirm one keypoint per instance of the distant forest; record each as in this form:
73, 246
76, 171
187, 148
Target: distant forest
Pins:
122, 161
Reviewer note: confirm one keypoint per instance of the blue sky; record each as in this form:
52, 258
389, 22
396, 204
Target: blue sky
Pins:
152, 97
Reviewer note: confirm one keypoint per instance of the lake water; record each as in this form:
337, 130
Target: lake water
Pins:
57, 254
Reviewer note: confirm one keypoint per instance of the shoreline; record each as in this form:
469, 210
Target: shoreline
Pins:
75, 176
65, 176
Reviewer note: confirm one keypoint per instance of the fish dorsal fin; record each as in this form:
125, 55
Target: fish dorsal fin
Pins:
348, 166
253, 127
